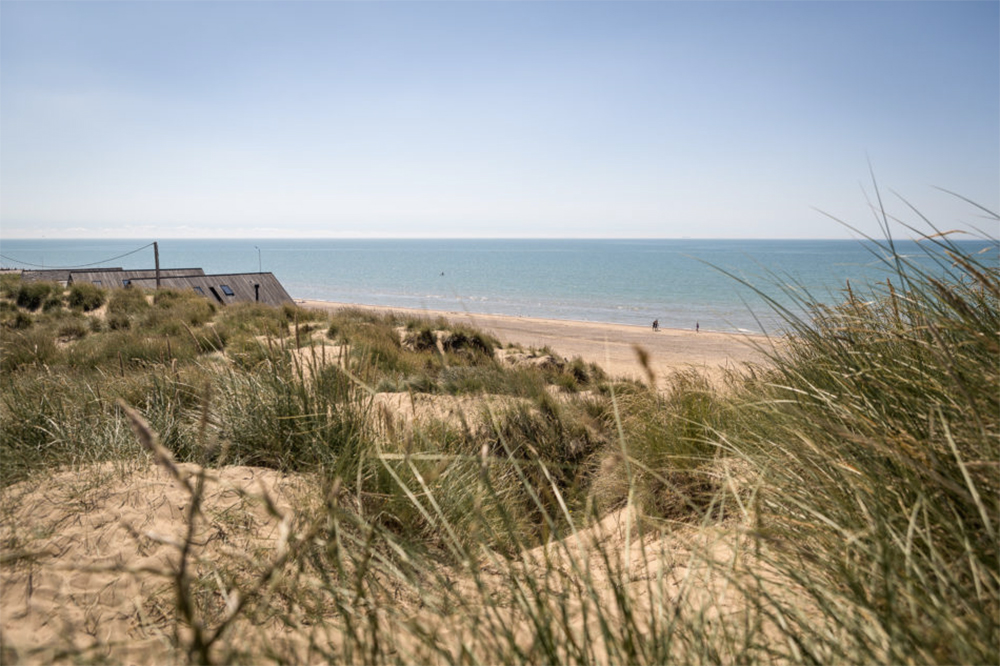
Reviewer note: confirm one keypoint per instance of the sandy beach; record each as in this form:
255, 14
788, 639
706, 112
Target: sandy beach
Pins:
612, 346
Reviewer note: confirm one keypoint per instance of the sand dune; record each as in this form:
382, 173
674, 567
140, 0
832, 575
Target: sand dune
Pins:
92, 574
88, 556
612, 346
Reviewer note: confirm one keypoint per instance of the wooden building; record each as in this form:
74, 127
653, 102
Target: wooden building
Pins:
225, 288
60, 275
116, 278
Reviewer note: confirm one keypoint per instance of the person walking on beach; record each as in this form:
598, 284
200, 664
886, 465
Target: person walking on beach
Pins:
696, 327
656, 324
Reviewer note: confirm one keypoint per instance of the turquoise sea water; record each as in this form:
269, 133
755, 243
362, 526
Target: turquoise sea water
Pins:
679, 282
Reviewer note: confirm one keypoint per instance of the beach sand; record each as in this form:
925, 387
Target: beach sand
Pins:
611, 346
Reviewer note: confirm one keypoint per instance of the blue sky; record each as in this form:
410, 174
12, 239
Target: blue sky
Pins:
492, 119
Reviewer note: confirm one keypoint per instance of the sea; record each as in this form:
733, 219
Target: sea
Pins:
718, 285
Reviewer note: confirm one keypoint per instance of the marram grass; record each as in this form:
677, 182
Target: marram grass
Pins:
838, 505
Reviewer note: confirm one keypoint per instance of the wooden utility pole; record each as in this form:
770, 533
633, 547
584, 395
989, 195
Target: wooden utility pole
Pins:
156, 256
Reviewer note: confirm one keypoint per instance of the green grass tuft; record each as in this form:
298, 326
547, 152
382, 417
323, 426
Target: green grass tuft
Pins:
86, 297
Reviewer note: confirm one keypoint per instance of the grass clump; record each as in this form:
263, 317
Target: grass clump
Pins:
48, 421
73, 330
32, 295
174, 308
129, 302
86, 297
119, 322
881, 449
17, 320
666, 456
268, 418
53, 304
253, 319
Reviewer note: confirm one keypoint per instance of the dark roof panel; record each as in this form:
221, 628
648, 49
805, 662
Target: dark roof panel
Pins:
242, 287
245, 287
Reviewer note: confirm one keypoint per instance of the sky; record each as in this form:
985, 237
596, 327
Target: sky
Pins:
495, 119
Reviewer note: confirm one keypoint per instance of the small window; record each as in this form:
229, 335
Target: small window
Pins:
97, 282
226, 290
198, 289
126, 283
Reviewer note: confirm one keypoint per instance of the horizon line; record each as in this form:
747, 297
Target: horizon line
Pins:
140, 239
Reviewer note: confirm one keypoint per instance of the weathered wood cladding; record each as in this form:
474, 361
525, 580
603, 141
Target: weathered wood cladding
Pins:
243, 287
60, 275
116, 278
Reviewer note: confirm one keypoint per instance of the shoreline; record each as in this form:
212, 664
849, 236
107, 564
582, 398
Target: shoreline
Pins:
614, 347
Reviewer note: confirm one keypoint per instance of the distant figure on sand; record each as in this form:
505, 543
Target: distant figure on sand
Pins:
696, 327
656, 324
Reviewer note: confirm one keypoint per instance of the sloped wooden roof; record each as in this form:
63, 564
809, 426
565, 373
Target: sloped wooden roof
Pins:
242, 285
114, 278
59, 274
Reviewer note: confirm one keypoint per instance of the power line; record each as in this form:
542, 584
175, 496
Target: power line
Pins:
59, 268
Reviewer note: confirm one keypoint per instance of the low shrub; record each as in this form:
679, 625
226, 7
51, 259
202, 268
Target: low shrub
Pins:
73, 330
31, 295
463, 339
53, 303
541, 448
128, 301
666, 448
85, 296
187, 306
586, 373
119, 322
18, 321
463, 342
168, 298
253, 319
379, 347
421, 339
